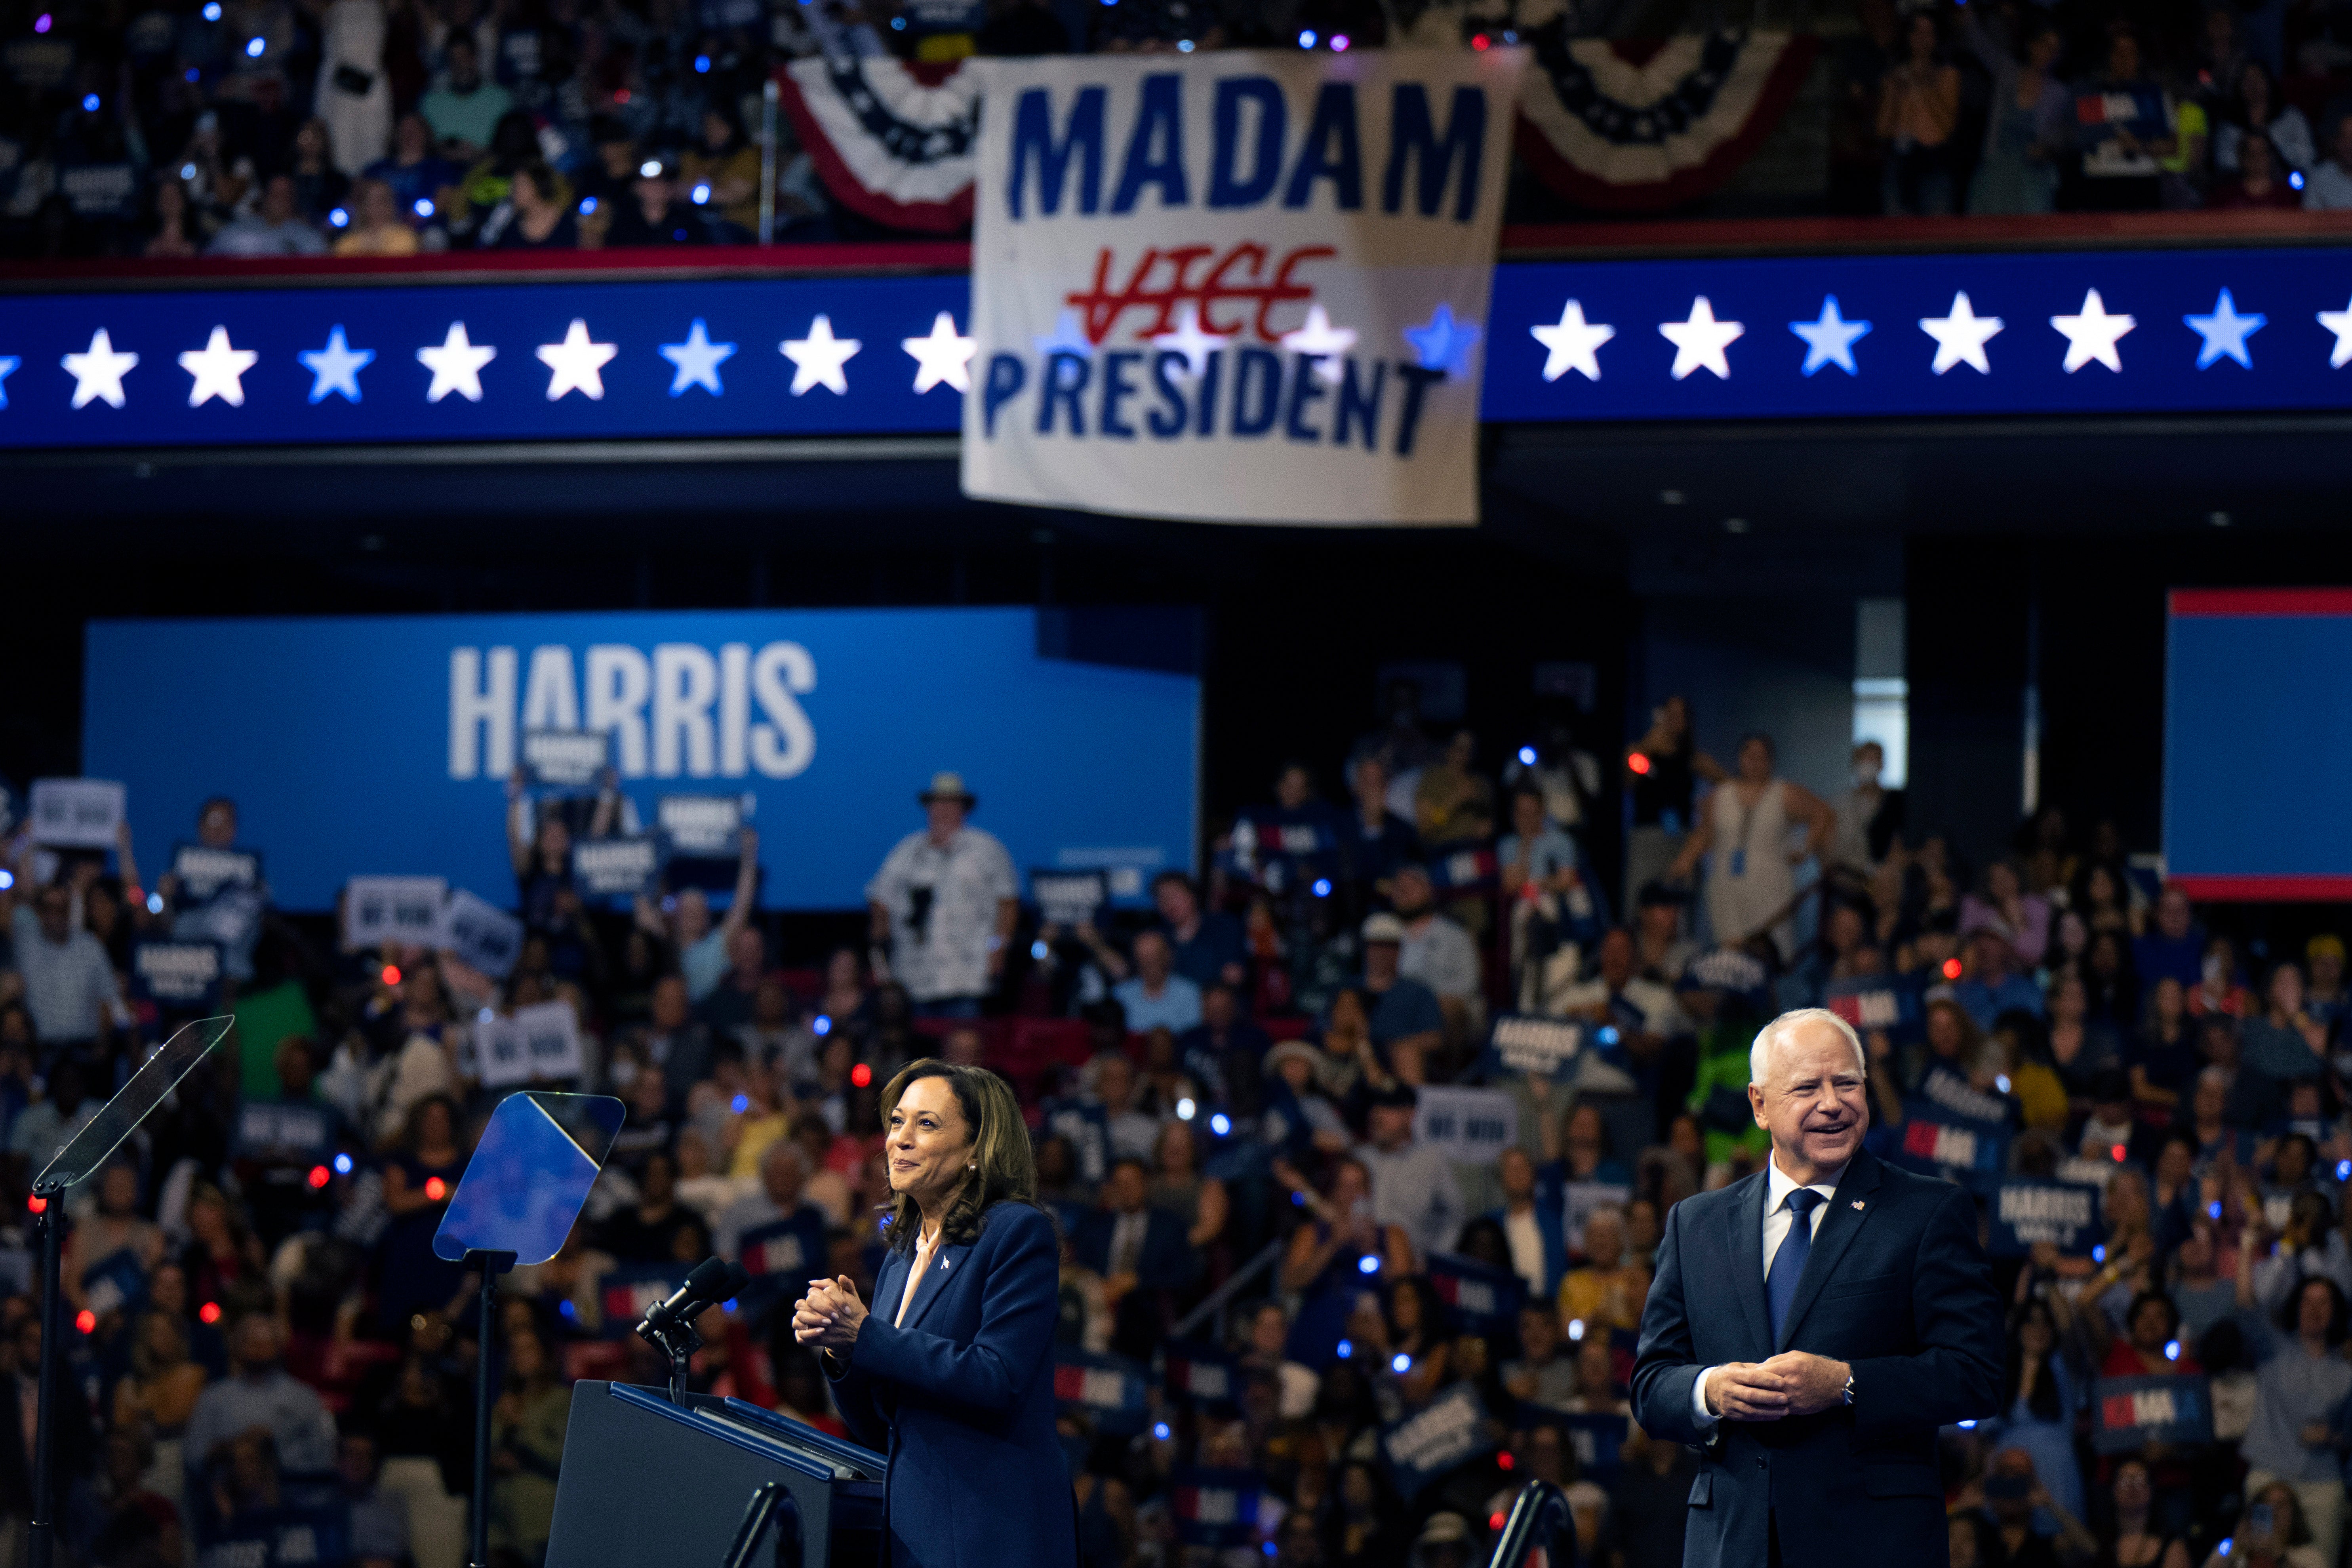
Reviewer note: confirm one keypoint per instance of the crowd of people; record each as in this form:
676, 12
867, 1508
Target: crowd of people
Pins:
249, 128
1371, 1329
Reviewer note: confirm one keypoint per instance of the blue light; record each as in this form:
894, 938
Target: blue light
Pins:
423, 208
1576, 1330
1159, 1430
1322, 887
587, 206
2214, 1208
1298, 1200
821, 1025
1527, 756
1184, 47
1305, 38
1272, 1550
1038, 950
187, 171
254, 48
897, 23
701, 194
2344, 1169
1185, 1109
1400, 1363
1967, 1426
2172, 1349
7, 879
41, 24
567, 1308
2098, 1255
342, 1164
2294, 179
154, 901
740, 1104
2227, 1542
1221, 1124
1344, 1349
212, 10
649, 170
337, 218
1606, 1034
730, 1304
702, 64
193, 74
1369, 1263
90, 103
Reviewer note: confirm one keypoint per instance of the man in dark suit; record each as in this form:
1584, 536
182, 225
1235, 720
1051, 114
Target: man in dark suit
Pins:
1812, 1325
1141, 1254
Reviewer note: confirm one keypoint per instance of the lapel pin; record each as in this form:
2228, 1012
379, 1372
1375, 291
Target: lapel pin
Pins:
1857, 1203
946, 1263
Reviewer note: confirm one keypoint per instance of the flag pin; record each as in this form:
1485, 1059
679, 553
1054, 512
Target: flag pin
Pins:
950, 1262
1857, 1203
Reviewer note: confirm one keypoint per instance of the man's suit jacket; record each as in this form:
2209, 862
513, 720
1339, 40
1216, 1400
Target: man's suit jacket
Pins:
1896, 1287
1167, 1262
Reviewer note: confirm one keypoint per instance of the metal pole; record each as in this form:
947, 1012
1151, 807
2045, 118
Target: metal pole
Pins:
767, 162
492, 1265
42, 1538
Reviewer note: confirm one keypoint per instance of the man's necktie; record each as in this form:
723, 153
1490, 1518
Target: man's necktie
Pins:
1789, 1263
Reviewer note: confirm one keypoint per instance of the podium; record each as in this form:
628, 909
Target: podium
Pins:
645, 1481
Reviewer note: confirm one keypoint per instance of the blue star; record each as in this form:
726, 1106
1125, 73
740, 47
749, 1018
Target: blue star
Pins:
1830, 340
8, 362
1443, 344
697, 360
336, 368
1067, 338
2225, 333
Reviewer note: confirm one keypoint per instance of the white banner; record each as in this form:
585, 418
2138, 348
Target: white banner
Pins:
538, 1043
1241, 287
1468, 1126
76, 814
481, 934
377, 910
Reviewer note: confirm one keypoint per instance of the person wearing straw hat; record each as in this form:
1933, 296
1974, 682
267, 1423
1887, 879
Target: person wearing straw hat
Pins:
944, 904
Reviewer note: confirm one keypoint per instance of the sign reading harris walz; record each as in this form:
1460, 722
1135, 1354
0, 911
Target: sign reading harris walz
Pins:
1236, 287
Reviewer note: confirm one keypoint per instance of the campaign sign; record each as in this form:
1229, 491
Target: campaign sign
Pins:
1479, 1298
1579, 1199
1538, 1047
1216, 1508
1086, 1128
1595, 1439
176, 976
781, 1257
204, 870
1245, 287
1958, 1099
479, 934
1725, 969
1932, 1141
628, 1293
2127, 1413
76, 814
1450, 1431
564, 758
2025, 1213
1468, 1126
378, 910
617, 868
286, 1130
1109, 1389
1463, 871
1878, 1001
539, 1043
702, 826
1202, 1372
1069, 897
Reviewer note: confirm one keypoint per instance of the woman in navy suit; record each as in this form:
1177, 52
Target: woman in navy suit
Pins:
951, 1373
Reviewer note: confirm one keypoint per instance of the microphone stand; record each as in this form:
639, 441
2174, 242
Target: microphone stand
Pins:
678, 1341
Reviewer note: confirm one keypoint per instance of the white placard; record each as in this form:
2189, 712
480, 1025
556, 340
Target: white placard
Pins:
538, 1043
377, 910
479, 933
1234, 286
702, 826
76, 814
1468, 1126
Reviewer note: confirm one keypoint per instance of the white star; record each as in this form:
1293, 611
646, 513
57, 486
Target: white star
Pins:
2093, 334
1961, 337
1830, 339
1189, 340
2225, 333
1700, 343
1573, 344
817, 358
336, 368
2336, 321
697, 360
8, 363
457, 365
98, 373
1067, 338
943, 357
219, 370
1321, 342
575, 364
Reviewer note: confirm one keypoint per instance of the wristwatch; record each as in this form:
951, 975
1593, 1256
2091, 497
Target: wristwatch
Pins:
1849, 1387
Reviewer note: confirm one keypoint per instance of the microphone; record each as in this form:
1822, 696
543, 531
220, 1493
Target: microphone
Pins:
713, 1280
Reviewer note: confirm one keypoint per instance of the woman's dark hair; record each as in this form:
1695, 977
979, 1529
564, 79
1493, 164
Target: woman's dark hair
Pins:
1483, 1239
540, 177
2044, 1401
2140, 1302
1005, 1168
1433, 1310
514, 140
2340, 1312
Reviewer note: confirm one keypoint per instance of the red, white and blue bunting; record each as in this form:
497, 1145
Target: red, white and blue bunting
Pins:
1621, 125
892, 139
1628, 126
